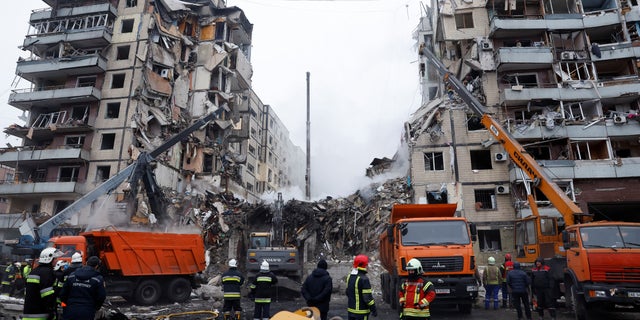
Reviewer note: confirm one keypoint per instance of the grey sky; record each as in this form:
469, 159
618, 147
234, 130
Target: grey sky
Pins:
364, 76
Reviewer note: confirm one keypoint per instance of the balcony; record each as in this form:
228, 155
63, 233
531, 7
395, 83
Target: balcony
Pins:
575, 91
509, 27
57, 67
243, 72
84, 38
523, 58
76, 10
586, 169
629, 128
49, 96
41, 188
62, 155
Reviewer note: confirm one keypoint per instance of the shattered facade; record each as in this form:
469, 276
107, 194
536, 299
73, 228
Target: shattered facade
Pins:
112, 79
562, 77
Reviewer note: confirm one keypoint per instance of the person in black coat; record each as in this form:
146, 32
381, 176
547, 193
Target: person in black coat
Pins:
317, 288
83, 292
519, 282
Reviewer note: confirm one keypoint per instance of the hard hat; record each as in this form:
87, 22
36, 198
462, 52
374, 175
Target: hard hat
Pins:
76, 257
60, 264
48, 254
264, 266
233, 263
507, 256
361, 261
539, 259
491, 261
17, 264
414, 265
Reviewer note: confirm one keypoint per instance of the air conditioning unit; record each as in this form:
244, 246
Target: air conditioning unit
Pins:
501, 189
568, 55
486, 45
619, 119
538, 44
501, 156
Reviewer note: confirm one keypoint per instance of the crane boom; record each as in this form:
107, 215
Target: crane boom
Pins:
36, 237
567, 208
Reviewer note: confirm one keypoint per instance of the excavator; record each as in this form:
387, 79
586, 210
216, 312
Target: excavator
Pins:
593, 273
34, 237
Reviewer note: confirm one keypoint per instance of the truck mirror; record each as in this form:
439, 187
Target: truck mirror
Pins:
474, 231
566, 242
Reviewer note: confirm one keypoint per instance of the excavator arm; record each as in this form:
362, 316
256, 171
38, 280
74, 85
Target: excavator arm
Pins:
36, 237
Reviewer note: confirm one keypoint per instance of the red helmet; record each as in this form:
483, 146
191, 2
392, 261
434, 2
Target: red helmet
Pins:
361, 261
507, 256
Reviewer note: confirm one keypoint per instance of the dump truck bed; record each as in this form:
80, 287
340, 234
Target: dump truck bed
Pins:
148, 253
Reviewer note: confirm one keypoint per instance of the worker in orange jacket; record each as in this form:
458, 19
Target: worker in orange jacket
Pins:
416, 293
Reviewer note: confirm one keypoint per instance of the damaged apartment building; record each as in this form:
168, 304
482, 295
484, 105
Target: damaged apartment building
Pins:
108, 79
562, 76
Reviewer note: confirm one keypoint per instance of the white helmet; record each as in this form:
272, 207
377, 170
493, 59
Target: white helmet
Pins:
60, 264
233, 263
48, 254
491, 261
414, 264
76, 257
17, 264
264, 266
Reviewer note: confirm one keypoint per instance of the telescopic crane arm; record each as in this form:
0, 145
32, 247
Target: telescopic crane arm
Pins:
37, 237
569, 210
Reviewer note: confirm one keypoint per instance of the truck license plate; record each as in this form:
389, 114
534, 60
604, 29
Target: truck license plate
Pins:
443, 291
634, 294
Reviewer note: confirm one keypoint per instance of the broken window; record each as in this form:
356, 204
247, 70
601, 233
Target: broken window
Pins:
113, 110
74, 141
252, 150
433, 161
127, 26
131, 3
519, 80
59, 205
46, 120
489, 240
80, 114
69, 174
591, 149
464, 20
480, 159
437, 196
208, 163
87, 81
123, 52
539, 152
108, 141
473, 123
117, 81
485, 199
103, 173
220, 31
250, 168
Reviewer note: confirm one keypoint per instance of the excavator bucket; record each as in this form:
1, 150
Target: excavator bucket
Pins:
300, 314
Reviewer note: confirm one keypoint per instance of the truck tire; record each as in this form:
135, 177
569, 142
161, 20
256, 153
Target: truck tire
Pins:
393, 288
148, 292
178, 290
578, 304
384, 284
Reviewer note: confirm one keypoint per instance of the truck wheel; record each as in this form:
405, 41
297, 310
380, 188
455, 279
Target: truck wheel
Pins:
179, 290
393, 288
384, 284
464, 308
579, 305
148, 292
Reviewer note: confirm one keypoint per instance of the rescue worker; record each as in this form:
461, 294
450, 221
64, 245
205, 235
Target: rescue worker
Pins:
76, 263
416, 293
232, 280
504, 269
519, 282
360, 303
317, 288
492, 280
261, 288
83, 293
11, 272
58, 272
542, 285
40, 297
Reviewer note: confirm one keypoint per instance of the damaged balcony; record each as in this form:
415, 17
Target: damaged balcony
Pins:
53, 95
74, 9
53, 180
55, 67
523, 58
42, 155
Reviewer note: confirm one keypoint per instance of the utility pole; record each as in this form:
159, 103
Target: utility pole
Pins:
307, 177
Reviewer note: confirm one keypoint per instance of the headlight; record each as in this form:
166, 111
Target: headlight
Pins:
472, 288
599, 294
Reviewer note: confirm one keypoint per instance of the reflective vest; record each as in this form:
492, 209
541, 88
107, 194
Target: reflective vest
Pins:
416, 296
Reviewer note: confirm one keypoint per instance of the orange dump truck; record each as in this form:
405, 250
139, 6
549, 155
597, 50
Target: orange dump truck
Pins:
141, 267
442, 242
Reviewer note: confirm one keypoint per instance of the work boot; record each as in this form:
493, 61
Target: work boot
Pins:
238, 315
226, 316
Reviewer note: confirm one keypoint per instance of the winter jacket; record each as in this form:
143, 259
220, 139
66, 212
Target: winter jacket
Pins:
317, 289
359, 293
261, 287
505, 268
518, 281
40, 298
541, 277
83, 293
232, 280
492, 275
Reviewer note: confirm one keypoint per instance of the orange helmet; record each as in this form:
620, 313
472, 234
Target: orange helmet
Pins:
361, 261
507, 256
